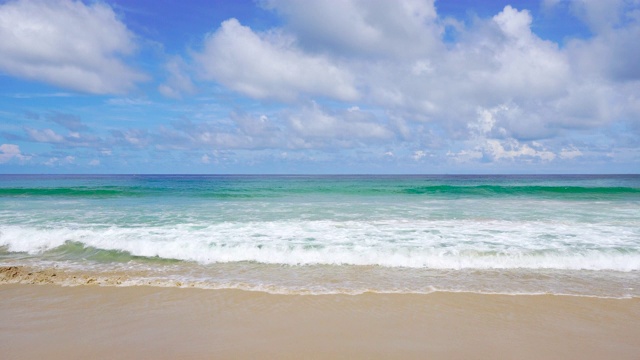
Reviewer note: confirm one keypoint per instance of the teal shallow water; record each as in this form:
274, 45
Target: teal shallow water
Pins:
221, 187
319, 234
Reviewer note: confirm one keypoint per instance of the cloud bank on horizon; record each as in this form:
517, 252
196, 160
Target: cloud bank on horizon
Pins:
333, 86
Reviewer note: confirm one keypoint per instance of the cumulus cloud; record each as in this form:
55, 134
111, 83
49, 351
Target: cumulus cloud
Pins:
598, 15
611, 55
388, 29
497, 93
496, 61
393, 56
68, 44
511, 149
527, 65
10, 152
380, 77
269, 65
490, 143
313, 122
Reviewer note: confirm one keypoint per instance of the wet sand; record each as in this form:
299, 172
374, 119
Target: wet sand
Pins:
56, 322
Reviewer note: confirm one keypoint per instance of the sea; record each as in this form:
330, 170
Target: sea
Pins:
575, 235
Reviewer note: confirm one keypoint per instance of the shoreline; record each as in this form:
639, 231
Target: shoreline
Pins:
57, 322
35, 275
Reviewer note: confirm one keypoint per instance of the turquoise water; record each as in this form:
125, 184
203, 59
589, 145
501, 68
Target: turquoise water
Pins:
565, 234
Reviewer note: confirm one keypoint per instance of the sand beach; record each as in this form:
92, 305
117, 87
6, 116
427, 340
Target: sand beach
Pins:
106, 322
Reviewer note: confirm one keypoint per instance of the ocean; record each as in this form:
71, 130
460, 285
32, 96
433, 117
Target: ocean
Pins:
499, 234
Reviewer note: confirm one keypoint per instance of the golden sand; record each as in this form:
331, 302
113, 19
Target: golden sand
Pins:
82, 322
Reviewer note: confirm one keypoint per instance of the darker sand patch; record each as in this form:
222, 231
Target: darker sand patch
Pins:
27, 275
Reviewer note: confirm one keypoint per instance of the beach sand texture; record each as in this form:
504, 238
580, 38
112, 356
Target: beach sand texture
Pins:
107, 322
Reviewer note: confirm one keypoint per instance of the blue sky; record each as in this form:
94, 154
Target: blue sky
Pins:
335, 86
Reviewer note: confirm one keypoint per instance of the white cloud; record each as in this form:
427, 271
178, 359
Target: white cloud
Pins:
486, 120
129, 102
9, 152
495, 150
42, 95
132, 137
56, 161
421, 67
524, 66
178, 82
308, 127
68, 44
515, 24
312, 122
269, 65
491, 144
72, 139
613, 54
465, 156
497, 92
377, 77
497, 60
511, 149
598, 15
418, 154
94, 162
494, 62
46, 135
570, 153
388, 29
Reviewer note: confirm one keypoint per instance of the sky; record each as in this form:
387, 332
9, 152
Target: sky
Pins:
320, 87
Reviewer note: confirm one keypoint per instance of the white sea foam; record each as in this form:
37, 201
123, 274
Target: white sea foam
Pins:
438, 244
